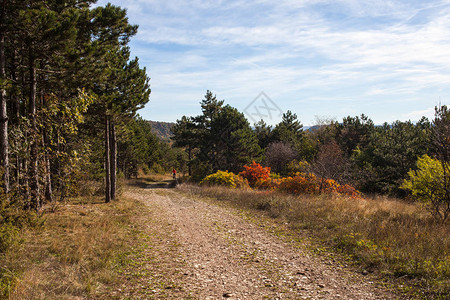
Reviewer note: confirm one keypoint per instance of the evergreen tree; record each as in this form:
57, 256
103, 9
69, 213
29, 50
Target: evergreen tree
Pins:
221, 138
354, 132
391, 151
43, 31
232, 143
186, 134
290, 131
49, 52
263, 133
122, 87
210, 108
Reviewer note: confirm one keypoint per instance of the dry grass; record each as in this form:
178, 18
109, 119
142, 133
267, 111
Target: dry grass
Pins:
395, 240
87, 249
73, 255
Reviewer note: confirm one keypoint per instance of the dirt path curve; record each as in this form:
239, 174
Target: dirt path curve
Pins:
218, 254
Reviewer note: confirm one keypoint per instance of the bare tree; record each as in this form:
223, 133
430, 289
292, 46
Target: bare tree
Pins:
278, 155
330, 163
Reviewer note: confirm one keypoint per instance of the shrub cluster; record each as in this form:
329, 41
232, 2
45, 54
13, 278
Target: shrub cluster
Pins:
310, 184
259, 177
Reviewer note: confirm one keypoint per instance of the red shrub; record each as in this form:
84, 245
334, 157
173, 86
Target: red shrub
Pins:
255, 172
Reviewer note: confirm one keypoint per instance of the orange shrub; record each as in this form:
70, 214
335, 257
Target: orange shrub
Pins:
310, 184
348, 190
268, 184
307, 184
329, 186
255, 172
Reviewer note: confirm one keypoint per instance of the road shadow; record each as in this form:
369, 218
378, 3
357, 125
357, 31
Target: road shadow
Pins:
151, 184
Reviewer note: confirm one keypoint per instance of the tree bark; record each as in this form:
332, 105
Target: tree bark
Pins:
14, 98
113, 159
24, 180
34, 174
14, 117
190, 160
4, 156
48, 191
61, 185
25, 183
107, 162
48, 177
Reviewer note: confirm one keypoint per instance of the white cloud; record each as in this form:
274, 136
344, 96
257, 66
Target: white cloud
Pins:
314, 50
417, 114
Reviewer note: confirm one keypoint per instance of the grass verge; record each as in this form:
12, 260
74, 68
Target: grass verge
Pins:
74, 253
86, 249
396, 241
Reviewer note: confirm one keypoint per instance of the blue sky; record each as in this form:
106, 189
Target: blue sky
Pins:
318, 58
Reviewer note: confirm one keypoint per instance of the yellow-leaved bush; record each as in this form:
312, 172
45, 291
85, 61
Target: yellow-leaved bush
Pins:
430, 184
225, 178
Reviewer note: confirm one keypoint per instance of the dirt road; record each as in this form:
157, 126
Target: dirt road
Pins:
200, 250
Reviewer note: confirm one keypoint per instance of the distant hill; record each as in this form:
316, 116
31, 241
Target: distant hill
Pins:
162, 129
311, 128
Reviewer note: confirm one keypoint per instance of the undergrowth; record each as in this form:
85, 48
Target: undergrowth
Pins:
388, 237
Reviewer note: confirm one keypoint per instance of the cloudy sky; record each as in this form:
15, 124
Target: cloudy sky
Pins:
329, 58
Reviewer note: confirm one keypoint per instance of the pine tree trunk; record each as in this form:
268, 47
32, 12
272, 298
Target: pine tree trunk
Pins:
25, 186
15, 101
4, 157
190, 160
61, 185
48, 191
25, 180
14, 118
18, 172
48, 178
48, 181
113, 159
34, 175
107, 162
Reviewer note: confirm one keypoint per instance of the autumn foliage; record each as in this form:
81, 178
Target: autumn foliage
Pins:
306, 184
254, 173
310, 184
259, 177
225, 178
267, 184
348, 190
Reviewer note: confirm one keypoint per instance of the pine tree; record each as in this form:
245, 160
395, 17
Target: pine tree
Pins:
289, 130
4, 146
186, 134
47, 29
122, 87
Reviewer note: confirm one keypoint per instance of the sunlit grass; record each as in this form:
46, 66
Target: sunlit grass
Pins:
73, 254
